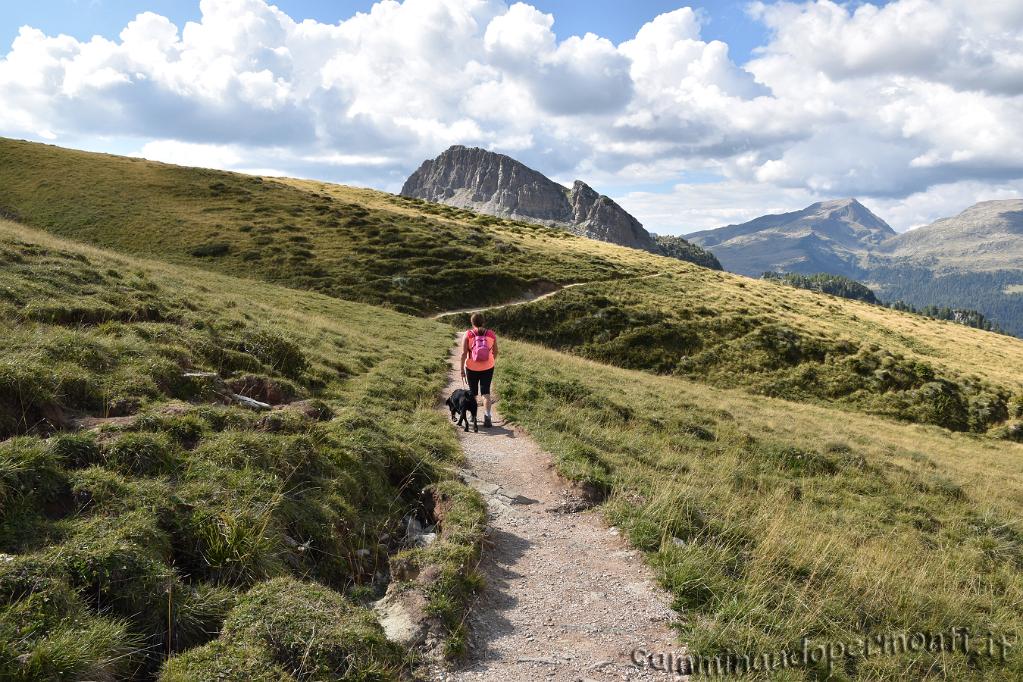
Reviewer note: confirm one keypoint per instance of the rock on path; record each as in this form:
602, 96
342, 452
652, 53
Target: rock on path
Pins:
566, 598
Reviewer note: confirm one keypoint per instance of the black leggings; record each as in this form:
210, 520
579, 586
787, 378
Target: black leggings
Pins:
479, 382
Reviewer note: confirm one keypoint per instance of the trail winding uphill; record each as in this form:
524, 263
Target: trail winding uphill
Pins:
566, 598
538, 297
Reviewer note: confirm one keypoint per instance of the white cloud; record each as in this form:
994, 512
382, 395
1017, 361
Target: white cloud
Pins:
913, 106
942, 201
693, 207
191, 154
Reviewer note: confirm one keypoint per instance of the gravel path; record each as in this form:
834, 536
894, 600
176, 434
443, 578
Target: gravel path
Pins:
566, 598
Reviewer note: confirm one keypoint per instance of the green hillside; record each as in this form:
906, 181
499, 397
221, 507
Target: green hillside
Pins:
793, 464
137, 508
355, 244
421, 257
770, 521
803, 346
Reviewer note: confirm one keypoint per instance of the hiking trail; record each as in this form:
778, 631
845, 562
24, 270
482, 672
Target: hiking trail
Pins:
566, 598
540, 297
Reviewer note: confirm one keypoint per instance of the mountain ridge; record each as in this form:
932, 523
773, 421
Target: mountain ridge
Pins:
499, 185
985, 232
824, 235
971, 260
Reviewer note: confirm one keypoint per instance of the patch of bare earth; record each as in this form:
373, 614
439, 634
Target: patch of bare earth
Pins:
566, 597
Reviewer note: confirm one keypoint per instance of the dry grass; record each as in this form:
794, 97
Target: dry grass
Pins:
771, 520
731, 331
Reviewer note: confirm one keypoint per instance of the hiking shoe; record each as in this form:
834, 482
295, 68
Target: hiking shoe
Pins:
486, 421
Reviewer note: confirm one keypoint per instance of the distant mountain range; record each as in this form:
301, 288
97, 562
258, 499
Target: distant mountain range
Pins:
484, 181
973, 260
829, 236
985, 237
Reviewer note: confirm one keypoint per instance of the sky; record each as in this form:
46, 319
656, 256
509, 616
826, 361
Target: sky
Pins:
690, 115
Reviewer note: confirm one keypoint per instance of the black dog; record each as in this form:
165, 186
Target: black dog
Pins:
463, 403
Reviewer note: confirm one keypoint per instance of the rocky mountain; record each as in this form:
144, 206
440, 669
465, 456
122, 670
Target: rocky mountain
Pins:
829, 236
496, 184
973, 260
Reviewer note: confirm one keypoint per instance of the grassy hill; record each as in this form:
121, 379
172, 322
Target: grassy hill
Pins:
138, 509
731, 331
349, 243
770, 521
421, 257
794, 464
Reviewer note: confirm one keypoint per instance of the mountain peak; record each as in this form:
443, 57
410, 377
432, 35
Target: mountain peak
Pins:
493, 183
837, 203
488, 182
857, 215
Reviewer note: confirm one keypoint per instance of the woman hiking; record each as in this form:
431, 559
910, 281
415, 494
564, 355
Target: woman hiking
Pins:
479, 350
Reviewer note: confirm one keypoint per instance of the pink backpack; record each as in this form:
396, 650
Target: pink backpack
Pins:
479, 351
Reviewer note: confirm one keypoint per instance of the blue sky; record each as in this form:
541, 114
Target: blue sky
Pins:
912, 106
617, 20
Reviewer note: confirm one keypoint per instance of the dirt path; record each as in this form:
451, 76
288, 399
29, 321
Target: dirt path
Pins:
566, 598
539, 297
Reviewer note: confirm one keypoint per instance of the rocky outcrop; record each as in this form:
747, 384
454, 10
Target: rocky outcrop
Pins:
598, 217
498, 185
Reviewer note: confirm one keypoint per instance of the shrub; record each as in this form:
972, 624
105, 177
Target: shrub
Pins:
27, 469
185, 429
276, 351
313, 632
798, 462
24, 575
26, 391
226, 662
96, 649
211, 250
141, 454
284, 421
941, 402
235, 547
98, 489
117, 564
198, 614
75, 450
84, 312
1011, 431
